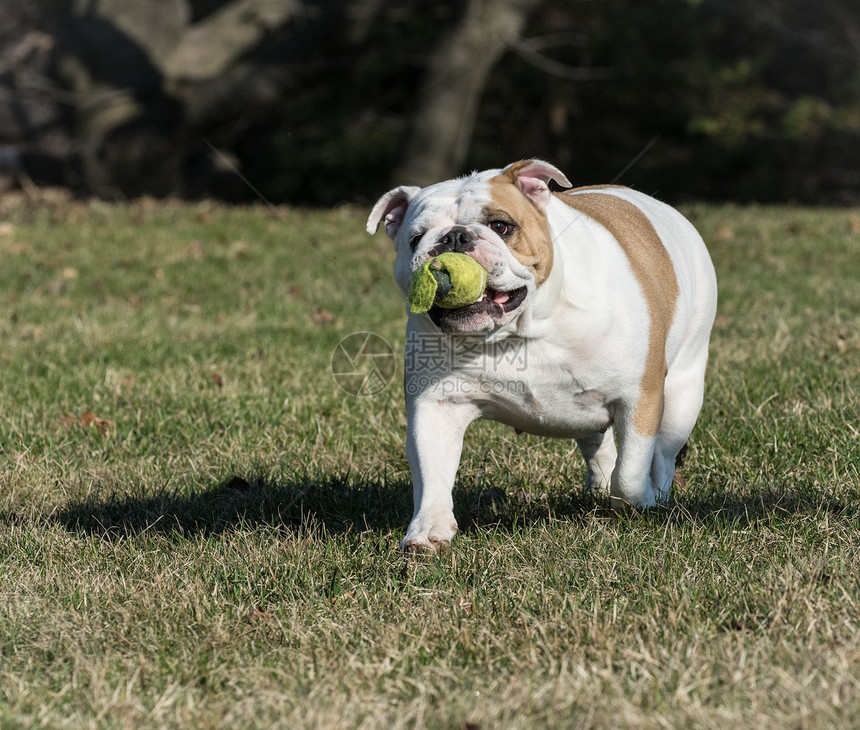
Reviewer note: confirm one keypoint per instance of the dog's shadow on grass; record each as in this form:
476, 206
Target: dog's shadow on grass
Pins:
331, 504
502, 510
336, 505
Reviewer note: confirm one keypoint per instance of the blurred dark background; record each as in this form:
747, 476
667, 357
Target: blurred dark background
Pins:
321, 102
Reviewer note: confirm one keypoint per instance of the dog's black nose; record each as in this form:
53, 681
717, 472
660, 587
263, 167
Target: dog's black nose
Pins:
458, 239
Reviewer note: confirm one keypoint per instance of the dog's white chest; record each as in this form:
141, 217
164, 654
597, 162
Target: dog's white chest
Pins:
545, 410
530, 386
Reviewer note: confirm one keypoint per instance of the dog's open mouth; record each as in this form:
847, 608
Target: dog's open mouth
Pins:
508, 301
494, 303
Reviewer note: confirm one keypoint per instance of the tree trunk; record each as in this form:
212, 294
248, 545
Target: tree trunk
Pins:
441, 129
142, 75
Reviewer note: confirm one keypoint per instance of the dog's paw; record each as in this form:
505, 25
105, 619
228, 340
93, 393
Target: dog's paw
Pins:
624, 506
430, 536
596, 484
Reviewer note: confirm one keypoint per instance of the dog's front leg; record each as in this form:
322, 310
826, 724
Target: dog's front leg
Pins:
434, 441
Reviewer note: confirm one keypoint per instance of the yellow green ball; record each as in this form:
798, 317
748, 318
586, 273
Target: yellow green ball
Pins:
467, 283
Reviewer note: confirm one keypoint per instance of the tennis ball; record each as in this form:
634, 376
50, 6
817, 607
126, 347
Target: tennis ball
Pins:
451, 280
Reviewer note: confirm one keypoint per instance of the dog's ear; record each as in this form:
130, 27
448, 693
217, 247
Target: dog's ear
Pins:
391, 208
531, 177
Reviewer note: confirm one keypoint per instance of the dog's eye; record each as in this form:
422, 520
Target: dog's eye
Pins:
503, 228
413, 242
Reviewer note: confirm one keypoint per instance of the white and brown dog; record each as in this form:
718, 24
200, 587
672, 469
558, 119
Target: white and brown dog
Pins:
597, 314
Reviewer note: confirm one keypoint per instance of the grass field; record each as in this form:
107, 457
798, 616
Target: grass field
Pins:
198, 526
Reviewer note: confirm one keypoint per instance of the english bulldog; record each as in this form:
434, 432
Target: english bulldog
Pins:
594, 325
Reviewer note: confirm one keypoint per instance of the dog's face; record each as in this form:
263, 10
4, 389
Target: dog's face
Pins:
497, 217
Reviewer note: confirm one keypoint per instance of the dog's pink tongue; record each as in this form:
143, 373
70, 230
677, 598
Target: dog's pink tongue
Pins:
498, 297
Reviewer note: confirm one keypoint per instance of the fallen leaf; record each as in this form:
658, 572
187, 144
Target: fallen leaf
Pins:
724, 233
854, 224
88, 418
70, 273
85, 420
217, 379
323, 316
342, 598
260, 614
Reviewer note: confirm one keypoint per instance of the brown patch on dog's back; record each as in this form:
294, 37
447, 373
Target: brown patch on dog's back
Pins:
655, 273
530, 242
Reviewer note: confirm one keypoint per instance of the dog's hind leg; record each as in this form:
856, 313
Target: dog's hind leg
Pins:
684, 392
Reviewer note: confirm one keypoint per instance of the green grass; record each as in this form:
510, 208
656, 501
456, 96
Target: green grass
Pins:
223, 552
